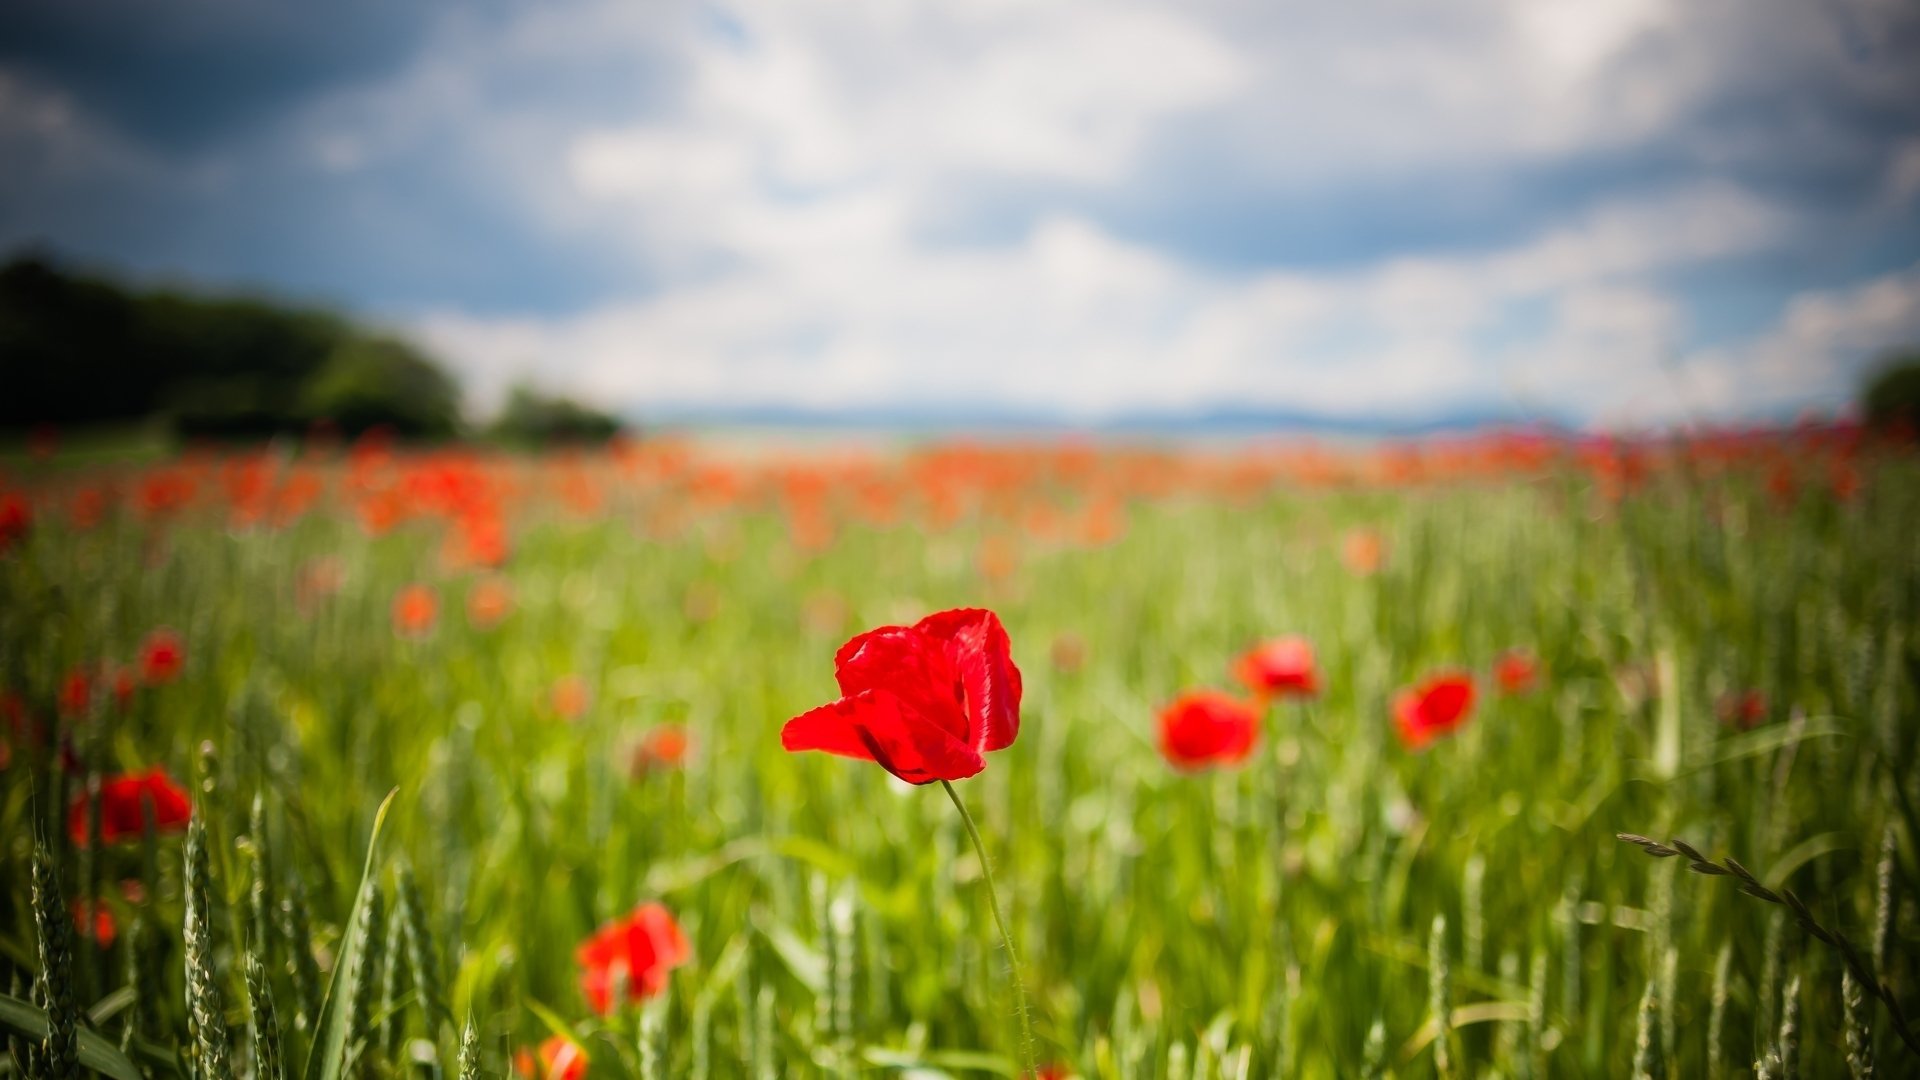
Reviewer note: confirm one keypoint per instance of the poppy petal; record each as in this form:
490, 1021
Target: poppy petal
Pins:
876, 726
913, 667
979, 650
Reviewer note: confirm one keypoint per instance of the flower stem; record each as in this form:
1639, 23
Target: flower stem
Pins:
1006, 938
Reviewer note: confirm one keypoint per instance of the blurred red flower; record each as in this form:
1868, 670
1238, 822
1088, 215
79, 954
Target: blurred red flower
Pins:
924, 702
488, 602
92, 919
663, 747
560, 1059
1516, 671
1363, 551
628, 959
123, 684
1281, 667
1433, 708
120, 815
570, 697
1203, 728
76, 692
16, 518
162, 657
1743, 709
318, 580
414, 611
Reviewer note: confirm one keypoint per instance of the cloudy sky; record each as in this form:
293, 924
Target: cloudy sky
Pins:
1622, 213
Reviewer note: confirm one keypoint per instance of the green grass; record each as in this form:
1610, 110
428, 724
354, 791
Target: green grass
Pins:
1257, 921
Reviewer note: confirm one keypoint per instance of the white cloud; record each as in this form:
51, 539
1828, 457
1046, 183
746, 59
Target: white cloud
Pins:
1814, 355
1071, 319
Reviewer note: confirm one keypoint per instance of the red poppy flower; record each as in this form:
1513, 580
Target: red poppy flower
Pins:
1363, 551
414, 611
1743, 709
162, 657
1516, 671
663, 747
120, 814
16, 518
924, 702
76, 693
1203, 728
570, 697
94, 920
630, 956
1282, 667
123, 684
560, 1059
1433, 708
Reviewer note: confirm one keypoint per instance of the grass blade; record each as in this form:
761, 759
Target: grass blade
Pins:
327, 1056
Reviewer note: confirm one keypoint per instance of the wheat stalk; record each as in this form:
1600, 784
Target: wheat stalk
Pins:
469, 1052
206, 1011
1790, 1031
1647, 1062
1535, 1061
1859, 1031
840, 915
266, 1030
260, 896
1373, 1056
294, 922
59, 1056
135, 1022
359, 997
1717, 1018
652, 1066
392, 1026
1785, 897
1439, 997
422, 957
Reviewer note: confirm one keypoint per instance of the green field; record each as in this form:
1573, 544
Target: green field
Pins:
1335, 905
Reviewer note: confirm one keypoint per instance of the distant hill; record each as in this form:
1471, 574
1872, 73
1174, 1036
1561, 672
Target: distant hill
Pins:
1226, 421
77, 348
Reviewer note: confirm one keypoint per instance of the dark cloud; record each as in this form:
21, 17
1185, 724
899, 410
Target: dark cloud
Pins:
187, 75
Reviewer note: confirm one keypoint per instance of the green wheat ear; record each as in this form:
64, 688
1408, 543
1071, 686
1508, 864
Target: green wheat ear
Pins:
1647, 1062
295, 920
1374, 1055
1859, 1027
360, 1034
469, 1052
1790, 1031
1440, 997
267, 1058
1535, 1061
135, 1021
206, 1008
392, 1025
260, 896
59, 1054
1717, 1017
652, 1056
422, 957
